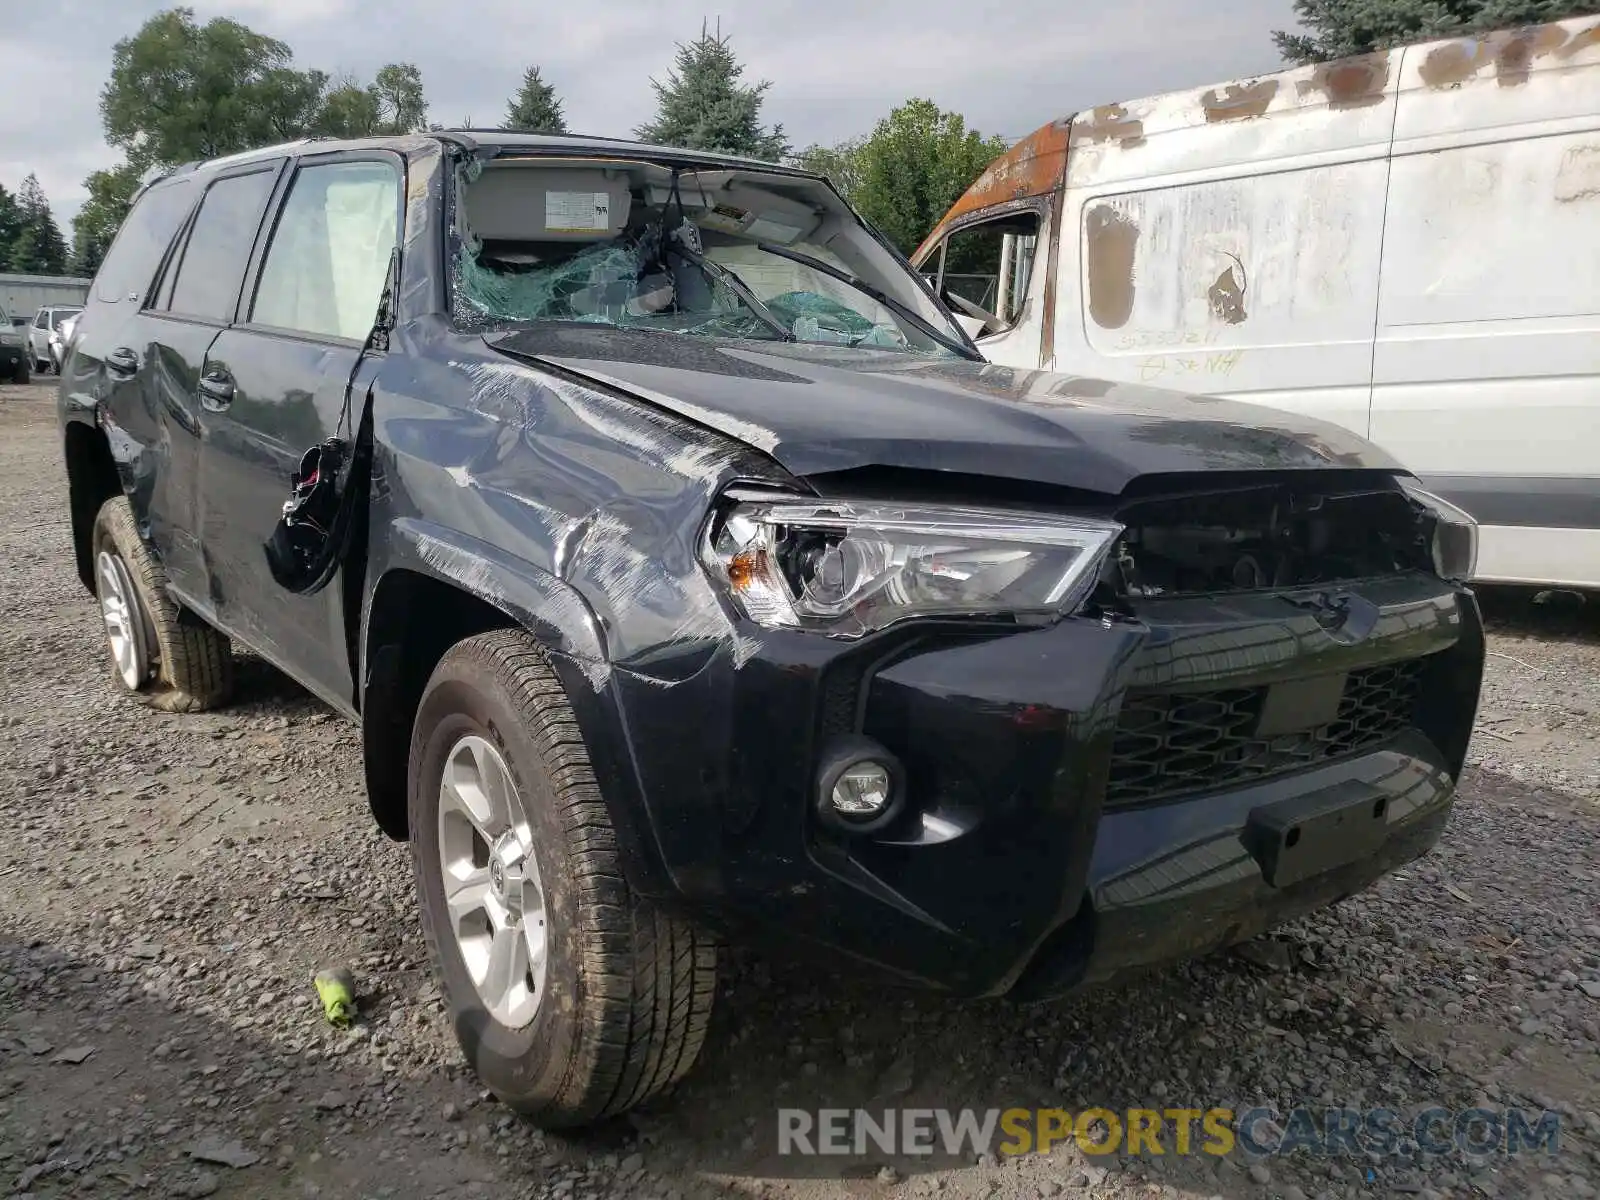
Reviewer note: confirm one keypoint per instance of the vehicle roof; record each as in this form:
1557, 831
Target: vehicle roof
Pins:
490, 141
1349, 88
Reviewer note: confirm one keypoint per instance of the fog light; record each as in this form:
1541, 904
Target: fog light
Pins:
861, 786
863, 791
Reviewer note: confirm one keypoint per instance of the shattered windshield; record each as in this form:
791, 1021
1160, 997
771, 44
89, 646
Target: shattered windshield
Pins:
715, 254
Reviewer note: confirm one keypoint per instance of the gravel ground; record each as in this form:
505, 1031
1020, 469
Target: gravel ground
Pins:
169, 884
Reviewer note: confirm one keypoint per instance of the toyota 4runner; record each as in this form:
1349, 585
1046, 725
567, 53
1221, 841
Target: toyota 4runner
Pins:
689, 573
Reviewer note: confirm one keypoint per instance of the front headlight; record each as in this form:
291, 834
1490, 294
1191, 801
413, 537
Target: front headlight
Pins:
1453, 535
847, 569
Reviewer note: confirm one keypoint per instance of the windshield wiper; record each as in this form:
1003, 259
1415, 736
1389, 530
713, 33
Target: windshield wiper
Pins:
888, 301
739, 288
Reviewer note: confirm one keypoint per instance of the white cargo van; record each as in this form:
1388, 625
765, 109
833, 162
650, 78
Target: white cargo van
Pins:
1407, 244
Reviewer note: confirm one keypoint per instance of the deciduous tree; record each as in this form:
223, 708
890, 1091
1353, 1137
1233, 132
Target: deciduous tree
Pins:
180, 90
101, 216
348, 110
911, 169
401, 105
841, 164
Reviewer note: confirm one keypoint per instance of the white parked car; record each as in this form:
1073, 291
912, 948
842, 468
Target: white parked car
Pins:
46, 337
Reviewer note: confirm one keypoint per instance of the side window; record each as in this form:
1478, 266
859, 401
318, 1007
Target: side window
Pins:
218, 249
989, 266
41, 319
325, 267
146, 233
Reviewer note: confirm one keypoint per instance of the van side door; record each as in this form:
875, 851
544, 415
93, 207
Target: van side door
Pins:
1487, 361
275, 385
1225, 240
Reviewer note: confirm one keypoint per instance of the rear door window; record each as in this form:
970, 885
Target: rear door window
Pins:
146, 233
211, 269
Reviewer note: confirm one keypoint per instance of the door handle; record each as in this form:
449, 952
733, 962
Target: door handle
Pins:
216, 389
123, 361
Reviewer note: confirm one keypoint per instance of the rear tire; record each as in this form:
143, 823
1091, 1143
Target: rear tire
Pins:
615, 992
168, 658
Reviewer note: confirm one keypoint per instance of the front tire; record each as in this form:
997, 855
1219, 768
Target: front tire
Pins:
573, 998
160, 652
20, 374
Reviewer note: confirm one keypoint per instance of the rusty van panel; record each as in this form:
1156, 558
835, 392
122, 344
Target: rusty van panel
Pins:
1330, 107
1540, 72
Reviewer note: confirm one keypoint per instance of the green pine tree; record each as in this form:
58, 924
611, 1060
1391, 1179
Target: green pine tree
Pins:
10, 226
39, 248
905, 176
535, 108
703, 106
1338, 28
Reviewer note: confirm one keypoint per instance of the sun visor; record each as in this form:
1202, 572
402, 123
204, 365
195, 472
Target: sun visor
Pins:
530, 204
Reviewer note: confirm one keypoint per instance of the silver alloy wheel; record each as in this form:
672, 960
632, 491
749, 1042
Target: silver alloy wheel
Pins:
493, 894
125, 626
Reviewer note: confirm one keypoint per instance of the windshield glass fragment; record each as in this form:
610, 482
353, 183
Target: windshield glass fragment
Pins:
636, 245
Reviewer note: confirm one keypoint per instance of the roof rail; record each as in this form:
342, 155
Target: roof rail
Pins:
245, 155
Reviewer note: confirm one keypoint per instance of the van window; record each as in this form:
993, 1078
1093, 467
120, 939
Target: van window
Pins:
146, 233
325, 269
989, 265
214, 259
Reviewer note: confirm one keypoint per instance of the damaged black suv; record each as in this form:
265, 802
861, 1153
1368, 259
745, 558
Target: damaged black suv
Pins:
689, 572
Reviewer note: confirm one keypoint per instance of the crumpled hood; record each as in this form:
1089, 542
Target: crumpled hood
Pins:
816, 409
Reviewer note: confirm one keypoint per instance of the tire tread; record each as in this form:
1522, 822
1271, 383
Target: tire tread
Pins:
195, 668
649, 972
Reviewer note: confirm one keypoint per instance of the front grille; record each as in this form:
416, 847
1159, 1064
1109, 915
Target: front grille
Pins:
1171, 743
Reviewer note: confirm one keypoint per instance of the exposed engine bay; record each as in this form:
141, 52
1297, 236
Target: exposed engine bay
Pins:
1263, 538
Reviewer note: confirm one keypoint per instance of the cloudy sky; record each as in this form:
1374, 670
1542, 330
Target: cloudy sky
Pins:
836, 66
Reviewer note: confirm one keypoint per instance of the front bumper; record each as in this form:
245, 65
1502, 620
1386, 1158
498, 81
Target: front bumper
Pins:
1043, 849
